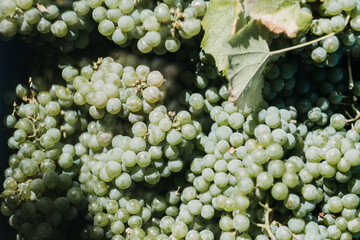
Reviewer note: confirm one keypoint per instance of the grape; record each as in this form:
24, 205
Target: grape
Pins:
69, 17
318, 54
331, 44
24, 4
126, 6
152, 38
296, 225
8, 27
106, 27
337, 121
151, 94
337, 23
179, 229
59, 29
126, 23
355, 23
348, 5
353, 225
191, 26
264, 180
283, 233
333, 7
172, 44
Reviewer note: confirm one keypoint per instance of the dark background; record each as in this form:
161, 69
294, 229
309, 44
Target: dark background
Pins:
15, 63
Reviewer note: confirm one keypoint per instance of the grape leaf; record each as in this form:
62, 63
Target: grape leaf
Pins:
280, 16
219, 23
247, 59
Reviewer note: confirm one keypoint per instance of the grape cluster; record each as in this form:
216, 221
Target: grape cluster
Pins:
154, 151
41, 192
65, 25
148, 149
111, 88
315, 92
202, 89
156, 27
260, 169
138, 163
338, 17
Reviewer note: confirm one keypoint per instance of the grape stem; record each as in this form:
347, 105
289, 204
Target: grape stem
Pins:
19, 235
357, 115
266, 225
308, 43
351, 79
97, 63
4, 194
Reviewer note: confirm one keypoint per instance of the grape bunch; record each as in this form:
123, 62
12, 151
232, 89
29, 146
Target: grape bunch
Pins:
143, 147
63, 24
315, 92
115, 89
260, 169
337, 18
203, 88
157, 27
154, 173
41, 190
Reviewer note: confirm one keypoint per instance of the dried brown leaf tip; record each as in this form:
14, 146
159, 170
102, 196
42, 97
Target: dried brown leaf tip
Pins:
277, 25
280, 16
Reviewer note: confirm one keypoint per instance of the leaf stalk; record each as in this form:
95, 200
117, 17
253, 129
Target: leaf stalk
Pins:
308, 43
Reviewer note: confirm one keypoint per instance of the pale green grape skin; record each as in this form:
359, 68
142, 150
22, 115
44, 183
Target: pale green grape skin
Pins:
337, 121
241, 223
355, 23
264, 180
106, 27
99, 14
172, 44
24, 4
354, 225
179, 229
283, 233
279, 191
59, 29
69, 17
191, 26
296, 225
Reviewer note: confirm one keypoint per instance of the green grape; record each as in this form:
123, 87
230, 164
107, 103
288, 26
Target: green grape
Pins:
318, 54
283, 233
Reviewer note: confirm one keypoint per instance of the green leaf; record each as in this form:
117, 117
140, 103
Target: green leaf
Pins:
247, 59
219, 23
280, 16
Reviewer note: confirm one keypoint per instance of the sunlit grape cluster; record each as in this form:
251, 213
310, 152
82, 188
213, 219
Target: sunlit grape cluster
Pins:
334, 16
158, 27
65, 25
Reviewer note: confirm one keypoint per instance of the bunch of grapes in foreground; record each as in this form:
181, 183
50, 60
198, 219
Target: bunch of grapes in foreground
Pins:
108, 145
262, 178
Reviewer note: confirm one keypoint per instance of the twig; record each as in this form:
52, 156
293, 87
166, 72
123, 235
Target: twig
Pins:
266, 225
351, 79
308, 43
356, 117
